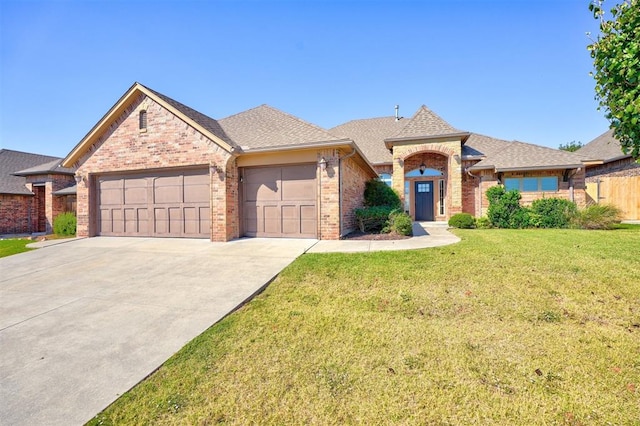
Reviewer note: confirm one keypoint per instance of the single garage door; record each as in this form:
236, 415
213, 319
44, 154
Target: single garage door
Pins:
280, 201
165, 204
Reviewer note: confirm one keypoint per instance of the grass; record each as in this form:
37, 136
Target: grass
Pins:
506, 327
13, 246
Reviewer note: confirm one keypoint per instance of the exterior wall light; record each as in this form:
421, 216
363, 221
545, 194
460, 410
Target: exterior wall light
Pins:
423, 167
323, 164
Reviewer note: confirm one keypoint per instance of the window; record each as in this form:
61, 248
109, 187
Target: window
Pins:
425, 173
441, 188
142, 121
424, 187
386, 178
407, 196
532, 184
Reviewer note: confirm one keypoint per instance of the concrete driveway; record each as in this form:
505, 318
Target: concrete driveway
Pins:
83, 321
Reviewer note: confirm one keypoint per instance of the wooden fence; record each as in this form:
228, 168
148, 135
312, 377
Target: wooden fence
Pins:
623, 192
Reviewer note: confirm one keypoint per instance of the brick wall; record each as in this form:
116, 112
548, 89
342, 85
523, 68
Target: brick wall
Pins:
353, 183
16, 211
53, 205
564, 187
329, 196
167, 142
620, 168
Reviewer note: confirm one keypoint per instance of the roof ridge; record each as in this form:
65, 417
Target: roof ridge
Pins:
242, 112
299, 119
30, 153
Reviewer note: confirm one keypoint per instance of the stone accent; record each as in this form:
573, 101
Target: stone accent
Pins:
408, 157
167, 142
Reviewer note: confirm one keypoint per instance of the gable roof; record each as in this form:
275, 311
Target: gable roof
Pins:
605, 148
520, 156
425, 123
10, 162
369, 134
204, 124
480, 146
265, 127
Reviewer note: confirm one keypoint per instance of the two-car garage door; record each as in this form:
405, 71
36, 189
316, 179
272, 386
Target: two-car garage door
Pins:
166, 204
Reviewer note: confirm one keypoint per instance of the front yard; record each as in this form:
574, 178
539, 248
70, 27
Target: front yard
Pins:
13, 246
506, 327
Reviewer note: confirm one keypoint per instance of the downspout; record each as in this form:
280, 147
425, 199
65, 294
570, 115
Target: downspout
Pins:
351, 154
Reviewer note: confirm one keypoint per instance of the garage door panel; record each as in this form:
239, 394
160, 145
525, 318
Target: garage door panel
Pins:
273, 201
164, 204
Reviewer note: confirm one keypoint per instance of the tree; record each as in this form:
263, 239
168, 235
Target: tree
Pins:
616, 59
572, 146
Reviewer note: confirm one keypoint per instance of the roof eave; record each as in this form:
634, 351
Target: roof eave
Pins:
532, 168
390, 142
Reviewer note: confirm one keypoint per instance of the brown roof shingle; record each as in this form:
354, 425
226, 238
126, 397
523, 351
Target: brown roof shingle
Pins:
369, 134
425, 123
605, 147
268, 127
524, 156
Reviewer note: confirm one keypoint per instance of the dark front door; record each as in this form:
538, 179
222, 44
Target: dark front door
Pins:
424, 200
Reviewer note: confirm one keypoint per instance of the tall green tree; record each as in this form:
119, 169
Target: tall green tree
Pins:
616, 59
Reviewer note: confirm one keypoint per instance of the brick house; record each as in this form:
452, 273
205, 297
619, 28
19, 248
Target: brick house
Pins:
29, 186
155, 167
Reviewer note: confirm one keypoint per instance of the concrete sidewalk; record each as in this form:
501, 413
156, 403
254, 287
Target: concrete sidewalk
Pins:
425, 235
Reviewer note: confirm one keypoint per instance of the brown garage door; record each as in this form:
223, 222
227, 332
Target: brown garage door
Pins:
280, 201
167, 204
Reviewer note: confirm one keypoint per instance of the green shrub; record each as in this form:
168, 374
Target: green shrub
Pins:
373, 219
462, 221
400, 223
378, 193
65, 224
598, 216
505, 210
552, 213
483, 223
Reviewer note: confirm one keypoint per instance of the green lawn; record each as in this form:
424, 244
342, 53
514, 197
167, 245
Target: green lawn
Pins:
9, 247
507, 327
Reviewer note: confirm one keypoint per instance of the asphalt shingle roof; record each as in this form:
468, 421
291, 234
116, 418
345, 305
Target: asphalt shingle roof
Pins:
369, 135
425, 123
268, 127
50, 167
478, 145
519, 155
605, 147
13, 161
203, 120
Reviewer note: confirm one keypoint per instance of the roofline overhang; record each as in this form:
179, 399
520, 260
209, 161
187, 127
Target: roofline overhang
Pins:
593, 162
532, 168
30, 194
340, 143
390, 142
43, 172
118, 108
487, 167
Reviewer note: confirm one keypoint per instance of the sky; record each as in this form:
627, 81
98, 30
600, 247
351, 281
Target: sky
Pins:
510, 69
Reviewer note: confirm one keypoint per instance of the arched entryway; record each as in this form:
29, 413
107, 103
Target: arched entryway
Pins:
425, 186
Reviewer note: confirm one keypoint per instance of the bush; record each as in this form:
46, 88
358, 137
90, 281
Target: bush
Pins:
505, 210
552, 213
598, 216
400, 223
373, 219
483, 223
462, 221
378, 193
65, 224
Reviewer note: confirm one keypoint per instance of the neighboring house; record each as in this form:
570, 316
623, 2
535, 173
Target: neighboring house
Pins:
28, 191
155, 167
612, 176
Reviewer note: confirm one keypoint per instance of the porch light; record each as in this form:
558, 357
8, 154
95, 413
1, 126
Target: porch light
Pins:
423, 167
78, 178
323, 164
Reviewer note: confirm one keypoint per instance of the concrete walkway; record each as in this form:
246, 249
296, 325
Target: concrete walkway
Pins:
425, 234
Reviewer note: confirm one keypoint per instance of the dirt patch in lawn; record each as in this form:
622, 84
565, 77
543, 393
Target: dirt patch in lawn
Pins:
359, 235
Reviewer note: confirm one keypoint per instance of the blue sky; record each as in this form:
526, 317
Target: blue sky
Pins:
511, 69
